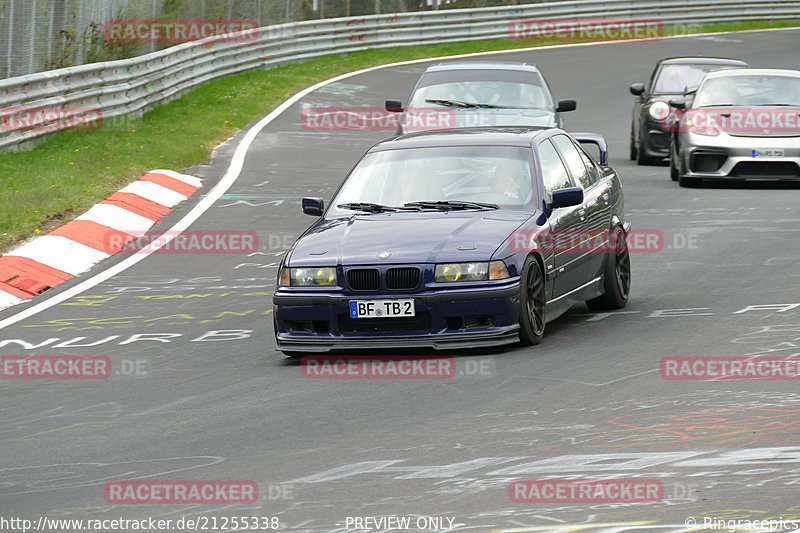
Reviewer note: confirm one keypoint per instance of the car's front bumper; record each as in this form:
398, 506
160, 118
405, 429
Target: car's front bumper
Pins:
444, 319
654, 142
731, 157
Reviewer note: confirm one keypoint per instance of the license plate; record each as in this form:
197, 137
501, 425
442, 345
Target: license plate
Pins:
766, 153
381, 308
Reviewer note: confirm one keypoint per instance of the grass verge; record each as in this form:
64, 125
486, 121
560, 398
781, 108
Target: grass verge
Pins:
72, 170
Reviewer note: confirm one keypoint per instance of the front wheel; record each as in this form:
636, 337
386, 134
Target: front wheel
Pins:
674, 165
617, 275
532, 303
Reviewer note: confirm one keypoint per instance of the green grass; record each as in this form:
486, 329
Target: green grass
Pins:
72, 170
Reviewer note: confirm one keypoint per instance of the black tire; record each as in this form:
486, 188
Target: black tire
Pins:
616, 275
633, 152
531, 303
674, 163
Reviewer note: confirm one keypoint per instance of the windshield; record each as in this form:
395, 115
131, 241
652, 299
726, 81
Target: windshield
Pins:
503, 89
751, 90
499, 175
673, 79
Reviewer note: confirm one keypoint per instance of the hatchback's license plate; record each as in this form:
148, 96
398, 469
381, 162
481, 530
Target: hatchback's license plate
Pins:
766, 153
381, 308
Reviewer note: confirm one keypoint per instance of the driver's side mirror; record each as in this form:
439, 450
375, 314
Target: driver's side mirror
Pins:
567, 105
679, 102
313, 206
567, 197
637, 89
394, 106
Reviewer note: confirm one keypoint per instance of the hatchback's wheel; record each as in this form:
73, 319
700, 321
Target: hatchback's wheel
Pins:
674, 169
532, 303
633, 151
617, 275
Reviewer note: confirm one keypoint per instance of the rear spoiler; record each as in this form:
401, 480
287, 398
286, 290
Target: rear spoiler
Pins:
596, 139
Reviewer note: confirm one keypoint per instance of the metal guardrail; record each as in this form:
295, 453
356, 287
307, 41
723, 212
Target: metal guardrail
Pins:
129, 87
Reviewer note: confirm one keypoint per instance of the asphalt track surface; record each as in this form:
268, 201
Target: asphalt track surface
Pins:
587, 403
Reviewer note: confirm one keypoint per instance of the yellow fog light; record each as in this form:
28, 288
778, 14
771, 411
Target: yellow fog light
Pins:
312, 277
450, 272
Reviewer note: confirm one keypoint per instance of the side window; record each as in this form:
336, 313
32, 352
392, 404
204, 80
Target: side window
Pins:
554, 175
594, 173
574, 160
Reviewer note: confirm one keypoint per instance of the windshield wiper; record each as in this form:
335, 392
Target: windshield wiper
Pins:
367, 206
778, 105
458, 103
448, 205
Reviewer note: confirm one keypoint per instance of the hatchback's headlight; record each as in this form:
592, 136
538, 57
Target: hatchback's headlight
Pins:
453, 272
659, 110
308, 277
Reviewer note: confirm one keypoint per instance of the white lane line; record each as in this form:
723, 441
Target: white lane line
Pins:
237, 162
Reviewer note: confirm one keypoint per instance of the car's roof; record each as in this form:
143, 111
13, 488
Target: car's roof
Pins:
753, 72
702, 60
499, 136
482, 65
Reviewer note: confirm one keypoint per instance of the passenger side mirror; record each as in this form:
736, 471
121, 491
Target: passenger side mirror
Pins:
313, 206
678, 102
637, 89
567, 197
567, 105
394, 106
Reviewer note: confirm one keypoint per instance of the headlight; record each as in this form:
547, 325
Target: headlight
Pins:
308, 277
659, 110
700, 129
699, 123
452, 272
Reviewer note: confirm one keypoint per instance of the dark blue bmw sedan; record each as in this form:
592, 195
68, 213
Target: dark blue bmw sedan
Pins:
456, 239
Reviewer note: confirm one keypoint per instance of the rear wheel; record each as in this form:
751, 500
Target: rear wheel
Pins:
532, 303
617, 275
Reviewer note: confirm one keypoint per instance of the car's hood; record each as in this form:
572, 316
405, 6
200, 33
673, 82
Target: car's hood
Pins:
474, 118
413, 237
754, 121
